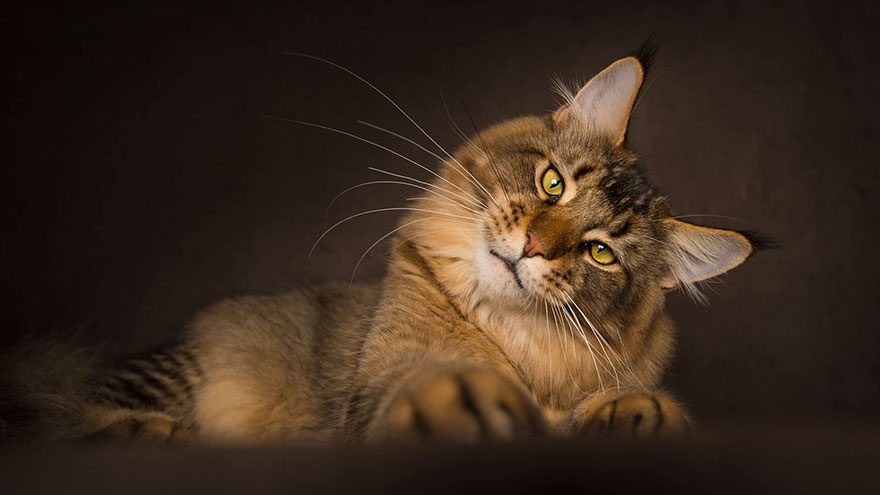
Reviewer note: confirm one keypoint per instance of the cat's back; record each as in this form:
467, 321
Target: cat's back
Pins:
278, 361
292, 317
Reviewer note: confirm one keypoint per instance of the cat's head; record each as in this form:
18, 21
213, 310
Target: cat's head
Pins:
556, 209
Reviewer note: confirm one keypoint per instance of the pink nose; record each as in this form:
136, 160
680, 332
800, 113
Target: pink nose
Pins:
534, 246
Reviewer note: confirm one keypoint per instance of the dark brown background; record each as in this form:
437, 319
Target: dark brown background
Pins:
140, 180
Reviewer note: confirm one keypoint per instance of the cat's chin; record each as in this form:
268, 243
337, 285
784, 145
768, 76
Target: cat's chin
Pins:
499, 279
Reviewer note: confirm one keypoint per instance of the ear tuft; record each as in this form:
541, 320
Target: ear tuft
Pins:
646, 53
759, 241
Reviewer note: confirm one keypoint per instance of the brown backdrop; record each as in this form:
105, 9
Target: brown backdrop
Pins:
141, 181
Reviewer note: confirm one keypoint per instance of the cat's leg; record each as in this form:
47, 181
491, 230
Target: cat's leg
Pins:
457, 402
629, 414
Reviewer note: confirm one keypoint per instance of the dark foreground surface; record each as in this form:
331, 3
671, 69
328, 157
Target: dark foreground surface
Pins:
814, 458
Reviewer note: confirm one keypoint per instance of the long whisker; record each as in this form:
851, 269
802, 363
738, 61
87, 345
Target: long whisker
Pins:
549, 348
601, 340
570, 311
377, 145
401, 137
600, 332
571, 321
373, 245
435, 231
427, 184
468, 140
374, 88
442, 200
455, 126
564, 345
556, 325
363, 184
624, 361
379, 210
486, 151
470, 178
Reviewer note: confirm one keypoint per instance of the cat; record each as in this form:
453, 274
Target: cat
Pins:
524, 296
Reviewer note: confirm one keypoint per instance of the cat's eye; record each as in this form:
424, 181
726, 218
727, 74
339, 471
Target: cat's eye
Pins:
552, 182
601, 253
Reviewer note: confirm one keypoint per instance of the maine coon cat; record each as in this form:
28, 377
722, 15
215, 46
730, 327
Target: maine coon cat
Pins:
524, 296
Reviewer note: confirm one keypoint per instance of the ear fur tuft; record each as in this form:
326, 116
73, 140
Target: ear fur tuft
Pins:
646, 53
759, 241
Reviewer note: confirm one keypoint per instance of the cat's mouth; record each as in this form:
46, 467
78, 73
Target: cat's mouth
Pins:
511, 267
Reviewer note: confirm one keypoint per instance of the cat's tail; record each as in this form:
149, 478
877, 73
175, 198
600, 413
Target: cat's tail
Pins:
56, 391
43, 384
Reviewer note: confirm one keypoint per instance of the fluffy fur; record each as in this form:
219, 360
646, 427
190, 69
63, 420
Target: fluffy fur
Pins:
494, 319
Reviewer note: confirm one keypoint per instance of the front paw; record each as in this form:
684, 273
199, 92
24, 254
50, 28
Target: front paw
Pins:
632, 415
466, 405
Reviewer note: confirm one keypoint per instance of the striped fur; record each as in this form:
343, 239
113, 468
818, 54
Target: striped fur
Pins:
161, 381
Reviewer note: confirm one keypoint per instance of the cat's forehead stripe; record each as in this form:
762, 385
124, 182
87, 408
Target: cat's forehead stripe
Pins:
582, 171
626, 187
532, 151
623, 229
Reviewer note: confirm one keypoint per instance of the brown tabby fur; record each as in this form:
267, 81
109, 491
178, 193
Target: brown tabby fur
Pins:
452, 345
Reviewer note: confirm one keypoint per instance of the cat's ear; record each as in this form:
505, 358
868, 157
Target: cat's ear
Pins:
603, 105
696, 253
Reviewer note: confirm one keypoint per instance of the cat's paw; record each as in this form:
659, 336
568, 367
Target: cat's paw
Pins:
142, 430
632, 414
467, 405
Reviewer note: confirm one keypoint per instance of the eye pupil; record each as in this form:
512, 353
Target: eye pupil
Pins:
551, 182
601, 253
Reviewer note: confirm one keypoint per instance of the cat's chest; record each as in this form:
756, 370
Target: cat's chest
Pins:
558, 367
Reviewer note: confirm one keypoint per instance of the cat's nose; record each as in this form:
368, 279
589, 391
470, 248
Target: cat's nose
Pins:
534, 247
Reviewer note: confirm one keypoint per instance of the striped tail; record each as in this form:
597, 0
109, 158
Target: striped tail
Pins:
148, 397
54, 390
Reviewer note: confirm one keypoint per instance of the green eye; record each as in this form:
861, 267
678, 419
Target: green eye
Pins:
552, 182
602, 253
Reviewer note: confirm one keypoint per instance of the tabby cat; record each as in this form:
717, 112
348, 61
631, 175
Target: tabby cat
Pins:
524, 296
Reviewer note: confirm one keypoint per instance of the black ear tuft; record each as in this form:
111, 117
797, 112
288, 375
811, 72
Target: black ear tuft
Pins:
760, 242
647, 52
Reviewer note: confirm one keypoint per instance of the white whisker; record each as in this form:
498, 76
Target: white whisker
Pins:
361, 259
549, 348
374, 88
470, 177
622, 360
427, 184
596, 334
455, 126
377, 145
435, 231
442, 200
564, 310
564, 346
379, 210
364, 184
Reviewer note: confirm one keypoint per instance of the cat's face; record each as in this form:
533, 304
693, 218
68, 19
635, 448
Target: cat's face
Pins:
555, 210
569, 217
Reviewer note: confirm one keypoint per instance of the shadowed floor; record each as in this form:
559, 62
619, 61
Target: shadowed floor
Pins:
761, 459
